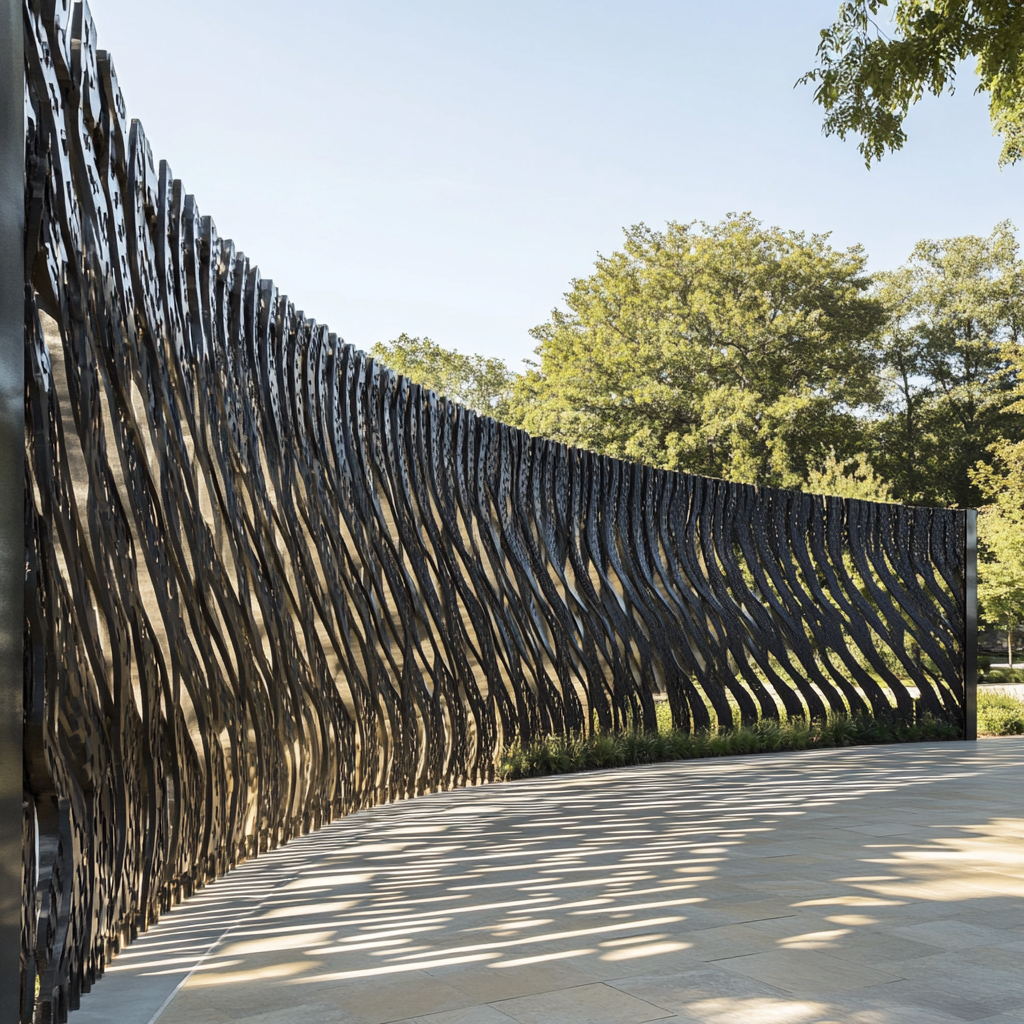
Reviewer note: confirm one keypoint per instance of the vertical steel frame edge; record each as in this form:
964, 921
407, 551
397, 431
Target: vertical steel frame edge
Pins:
12, 505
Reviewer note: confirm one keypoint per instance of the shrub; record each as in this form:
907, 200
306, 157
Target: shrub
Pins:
555, 755
1000, 715
1003, 676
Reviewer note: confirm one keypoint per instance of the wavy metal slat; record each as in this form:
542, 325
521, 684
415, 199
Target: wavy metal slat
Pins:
269, 582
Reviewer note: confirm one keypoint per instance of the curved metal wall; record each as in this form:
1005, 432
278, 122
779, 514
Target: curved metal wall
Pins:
269, 582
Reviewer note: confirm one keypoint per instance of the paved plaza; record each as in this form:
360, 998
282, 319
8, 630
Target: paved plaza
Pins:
870, 885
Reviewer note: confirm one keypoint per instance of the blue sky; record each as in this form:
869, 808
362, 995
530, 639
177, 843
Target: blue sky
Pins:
445, 167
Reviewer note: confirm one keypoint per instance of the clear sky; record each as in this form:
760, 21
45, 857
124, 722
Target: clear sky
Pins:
445, 167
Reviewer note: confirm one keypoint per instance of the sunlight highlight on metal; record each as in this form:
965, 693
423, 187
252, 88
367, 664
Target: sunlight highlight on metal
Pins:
269, 582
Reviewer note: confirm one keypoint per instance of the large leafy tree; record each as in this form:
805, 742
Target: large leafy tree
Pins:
956, 313
480, 382
871, 69
732, 350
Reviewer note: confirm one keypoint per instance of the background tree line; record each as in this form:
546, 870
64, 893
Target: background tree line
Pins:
769, 357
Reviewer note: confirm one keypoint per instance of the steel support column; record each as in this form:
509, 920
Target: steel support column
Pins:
11, 496
970, 645
12, 505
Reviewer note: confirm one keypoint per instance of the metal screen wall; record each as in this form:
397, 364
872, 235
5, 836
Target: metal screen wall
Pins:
269, 582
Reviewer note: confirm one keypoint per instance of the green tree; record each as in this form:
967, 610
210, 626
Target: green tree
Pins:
1001, 540
956, 311
869, 75
482, 383
731, 350
848, 478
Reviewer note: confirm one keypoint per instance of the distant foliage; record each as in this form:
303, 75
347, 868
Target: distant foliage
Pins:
851, 478
730, 350
482, 383
1001, 539
955, 314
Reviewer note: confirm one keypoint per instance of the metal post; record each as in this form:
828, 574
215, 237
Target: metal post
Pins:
970, 645
12, 489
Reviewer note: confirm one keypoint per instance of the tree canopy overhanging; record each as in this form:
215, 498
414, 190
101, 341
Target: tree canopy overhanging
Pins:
871, 72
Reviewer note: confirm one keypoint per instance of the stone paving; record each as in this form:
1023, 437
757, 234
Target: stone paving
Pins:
871, 885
